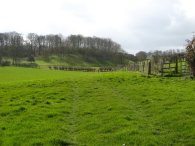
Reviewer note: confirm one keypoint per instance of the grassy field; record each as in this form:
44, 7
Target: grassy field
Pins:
42, 107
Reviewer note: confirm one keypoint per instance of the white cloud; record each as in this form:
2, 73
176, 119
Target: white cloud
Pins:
135, 24
188, 7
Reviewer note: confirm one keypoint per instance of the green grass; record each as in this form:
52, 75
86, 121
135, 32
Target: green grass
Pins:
18, 75
42, 107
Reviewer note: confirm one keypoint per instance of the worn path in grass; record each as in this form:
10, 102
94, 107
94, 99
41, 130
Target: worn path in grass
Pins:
43, 107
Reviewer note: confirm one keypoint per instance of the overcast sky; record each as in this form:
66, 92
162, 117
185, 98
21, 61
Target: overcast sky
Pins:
135, 24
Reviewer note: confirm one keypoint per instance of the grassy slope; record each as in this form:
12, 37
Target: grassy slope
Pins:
73, 60
61, 108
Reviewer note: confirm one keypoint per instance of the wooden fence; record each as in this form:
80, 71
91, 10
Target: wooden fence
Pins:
160, 66
84, 69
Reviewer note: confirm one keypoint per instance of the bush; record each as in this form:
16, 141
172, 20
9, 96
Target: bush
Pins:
31, 58
5, 63
31, 65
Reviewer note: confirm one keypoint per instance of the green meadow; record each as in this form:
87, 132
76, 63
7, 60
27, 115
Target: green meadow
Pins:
40, 107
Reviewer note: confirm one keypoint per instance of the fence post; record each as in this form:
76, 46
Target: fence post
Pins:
149, 68
162, 65
143, 66
176, 66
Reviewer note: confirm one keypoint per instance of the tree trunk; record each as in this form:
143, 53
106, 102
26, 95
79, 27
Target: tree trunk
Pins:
193, 70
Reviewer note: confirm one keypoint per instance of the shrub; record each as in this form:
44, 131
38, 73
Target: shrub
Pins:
190, 54
5, 63
31, 65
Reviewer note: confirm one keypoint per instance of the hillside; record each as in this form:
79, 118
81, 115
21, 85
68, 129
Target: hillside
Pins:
47, 107
76, 60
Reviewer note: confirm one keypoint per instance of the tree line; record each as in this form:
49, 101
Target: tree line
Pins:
170, 55
16, 46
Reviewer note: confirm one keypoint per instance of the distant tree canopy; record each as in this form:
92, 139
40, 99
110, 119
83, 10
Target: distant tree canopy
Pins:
16, 46
141, 55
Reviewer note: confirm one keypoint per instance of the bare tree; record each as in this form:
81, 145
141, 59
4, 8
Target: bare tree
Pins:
33, 41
